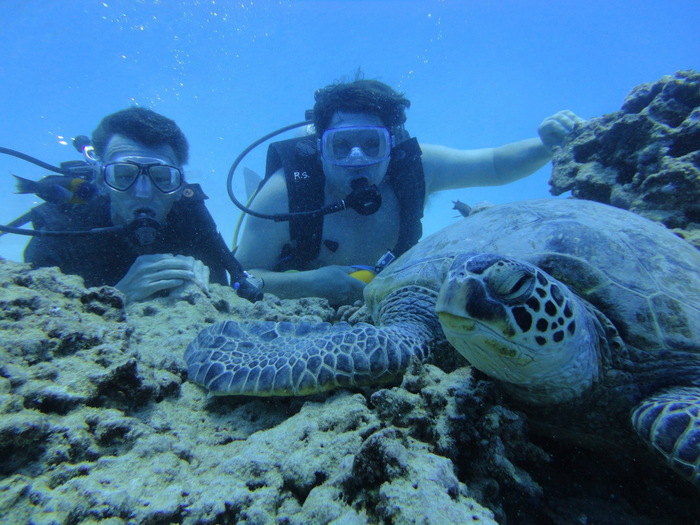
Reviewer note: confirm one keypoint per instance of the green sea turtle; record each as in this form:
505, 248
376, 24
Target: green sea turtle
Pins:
587, 314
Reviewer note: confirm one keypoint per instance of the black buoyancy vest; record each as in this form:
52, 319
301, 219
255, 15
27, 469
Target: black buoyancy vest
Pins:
305, 180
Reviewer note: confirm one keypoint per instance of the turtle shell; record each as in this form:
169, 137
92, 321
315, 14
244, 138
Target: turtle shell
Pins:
644, 278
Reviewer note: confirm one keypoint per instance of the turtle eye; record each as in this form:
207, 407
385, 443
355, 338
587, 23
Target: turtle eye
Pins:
514, 286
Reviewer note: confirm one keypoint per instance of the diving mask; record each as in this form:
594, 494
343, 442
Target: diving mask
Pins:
356, 146
121, 175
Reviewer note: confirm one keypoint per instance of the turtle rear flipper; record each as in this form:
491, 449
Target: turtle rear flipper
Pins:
669, 422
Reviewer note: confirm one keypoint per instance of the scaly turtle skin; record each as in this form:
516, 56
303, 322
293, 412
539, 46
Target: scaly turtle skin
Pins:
589, 316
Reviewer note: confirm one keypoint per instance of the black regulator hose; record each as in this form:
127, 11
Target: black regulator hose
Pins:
246, 286
141, 227
34, 160
58, 233
232, 170
81, 143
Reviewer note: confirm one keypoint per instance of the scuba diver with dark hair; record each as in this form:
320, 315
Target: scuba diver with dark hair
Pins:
360, 146
157, 234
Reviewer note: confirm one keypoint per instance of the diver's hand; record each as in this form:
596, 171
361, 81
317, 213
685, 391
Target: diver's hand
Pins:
201, 273
335, 284
152, 273
554, 130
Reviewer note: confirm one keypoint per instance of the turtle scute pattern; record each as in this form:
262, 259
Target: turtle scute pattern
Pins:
670, 424
289, 359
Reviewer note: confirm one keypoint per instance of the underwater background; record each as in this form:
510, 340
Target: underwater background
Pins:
478, 74
98, 422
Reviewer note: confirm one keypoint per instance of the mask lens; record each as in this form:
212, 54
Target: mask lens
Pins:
165, 178
121, 175
370, 143
341, 146
356, 146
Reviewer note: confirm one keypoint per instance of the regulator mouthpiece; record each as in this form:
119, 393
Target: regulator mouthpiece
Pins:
145, 229
364, 199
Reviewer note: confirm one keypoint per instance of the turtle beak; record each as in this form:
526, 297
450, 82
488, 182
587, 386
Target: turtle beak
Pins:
456, 323
466, 297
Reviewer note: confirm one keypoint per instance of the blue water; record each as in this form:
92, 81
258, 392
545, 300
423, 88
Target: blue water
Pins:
478, 73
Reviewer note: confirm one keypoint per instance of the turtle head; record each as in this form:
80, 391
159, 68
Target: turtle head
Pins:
518, 324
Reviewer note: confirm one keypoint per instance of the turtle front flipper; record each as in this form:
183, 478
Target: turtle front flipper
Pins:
669, 422
294, 359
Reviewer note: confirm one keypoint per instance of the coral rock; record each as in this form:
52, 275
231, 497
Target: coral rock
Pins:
644, 158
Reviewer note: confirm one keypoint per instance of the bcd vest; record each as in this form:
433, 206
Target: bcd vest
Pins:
305, 180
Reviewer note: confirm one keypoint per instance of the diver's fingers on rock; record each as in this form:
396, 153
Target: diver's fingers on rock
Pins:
161, 285
170, 274
201, 275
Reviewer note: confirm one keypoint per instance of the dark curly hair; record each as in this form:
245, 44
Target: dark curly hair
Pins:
360, 96
144, 126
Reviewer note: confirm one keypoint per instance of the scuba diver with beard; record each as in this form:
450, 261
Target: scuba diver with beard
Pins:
169, 238
360, 146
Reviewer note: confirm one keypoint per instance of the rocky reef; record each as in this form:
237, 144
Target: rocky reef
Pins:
644, 158
99, 425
